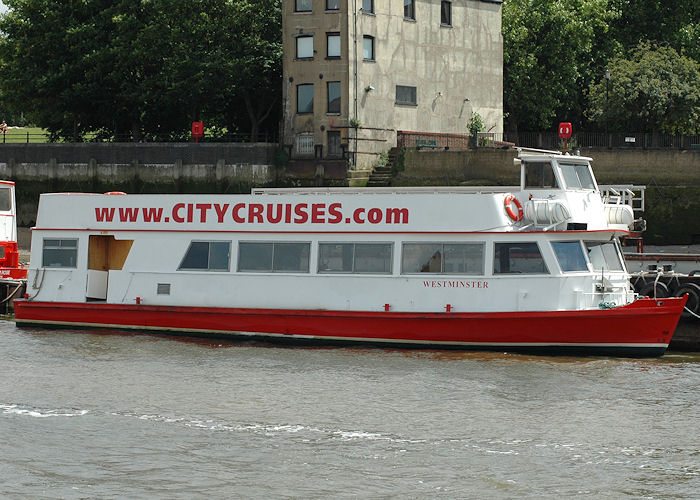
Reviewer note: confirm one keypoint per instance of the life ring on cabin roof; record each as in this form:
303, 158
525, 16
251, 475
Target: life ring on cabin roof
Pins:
508, 202
115, 192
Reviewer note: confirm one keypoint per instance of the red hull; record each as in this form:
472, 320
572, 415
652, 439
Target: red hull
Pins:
642, 328
13, 273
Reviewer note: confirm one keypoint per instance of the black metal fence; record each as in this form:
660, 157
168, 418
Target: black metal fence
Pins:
19, 136
602, 140
549, 140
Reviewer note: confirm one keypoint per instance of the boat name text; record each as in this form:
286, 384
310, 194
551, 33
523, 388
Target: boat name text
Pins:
455, 284
254, 213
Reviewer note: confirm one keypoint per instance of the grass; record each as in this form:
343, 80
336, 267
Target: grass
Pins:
24, 135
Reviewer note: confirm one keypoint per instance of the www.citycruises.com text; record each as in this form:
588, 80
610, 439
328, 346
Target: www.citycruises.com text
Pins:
254, 213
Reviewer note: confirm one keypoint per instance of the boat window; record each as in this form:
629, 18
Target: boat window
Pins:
577, 176
207, 255
60, 252
273, 257
604, 255
5, 200
570, 256
444, 258
354, 258
539, 175
524, 258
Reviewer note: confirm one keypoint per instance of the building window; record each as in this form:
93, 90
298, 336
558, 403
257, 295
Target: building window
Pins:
406, 95
368, 6
332, 4
207, 256
305, 47
334, 97
354, 258
302, 5
409, 9
305, 144
60, 253
334, 148
305, 98
263, 257
368, 48
443, 258
521, 258
333, 45
446, 13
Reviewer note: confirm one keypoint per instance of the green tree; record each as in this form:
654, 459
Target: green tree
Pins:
143, 68
672, 22
552, 51
653, 89
257, 60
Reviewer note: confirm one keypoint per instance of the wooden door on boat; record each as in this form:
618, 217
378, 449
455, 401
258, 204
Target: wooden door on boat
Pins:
105, 253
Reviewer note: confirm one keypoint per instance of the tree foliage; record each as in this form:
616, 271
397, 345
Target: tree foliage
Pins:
555, 51
654, 89
672, 22
147, 68
552, 50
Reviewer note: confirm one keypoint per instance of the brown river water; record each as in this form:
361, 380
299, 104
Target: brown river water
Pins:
107, 415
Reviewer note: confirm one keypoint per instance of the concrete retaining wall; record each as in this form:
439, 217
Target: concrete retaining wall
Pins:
134, 168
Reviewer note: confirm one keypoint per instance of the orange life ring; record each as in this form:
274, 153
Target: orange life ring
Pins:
508, 201
115, 192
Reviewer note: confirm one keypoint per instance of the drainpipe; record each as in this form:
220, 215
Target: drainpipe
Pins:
354, 153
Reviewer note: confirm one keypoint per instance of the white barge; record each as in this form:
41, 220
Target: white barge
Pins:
536, 267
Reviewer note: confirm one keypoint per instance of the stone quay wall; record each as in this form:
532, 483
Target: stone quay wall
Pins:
134, 168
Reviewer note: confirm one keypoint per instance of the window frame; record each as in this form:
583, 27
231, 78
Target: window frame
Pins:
328, 98
540, 174
577, 171
619, 258
209, 254
297, 9
583, 253
442, 245
299, 87
59, 247
331, 9
406, 103
546, 272
329, 35
371, 8
355, 244
371, 39
409, 10
271, 269
297, 40
446, 20
5, 199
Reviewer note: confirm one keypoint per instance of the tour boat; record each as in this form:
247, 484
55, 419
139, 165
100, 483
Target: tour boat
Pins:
535, 267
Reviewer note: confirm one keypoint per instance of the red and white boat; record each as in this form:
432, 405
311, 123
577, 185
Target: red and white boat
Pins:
10, 268
535, 267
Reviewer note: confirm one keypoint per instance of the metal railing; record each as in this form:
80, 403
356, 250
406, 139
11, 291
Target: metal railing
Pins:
624, 194
603, 140
19, 136
549, 140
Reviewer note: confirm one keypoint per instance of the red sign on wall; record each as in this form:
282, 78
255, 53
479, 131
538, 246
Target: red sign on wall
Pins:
565, 130
197, 130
